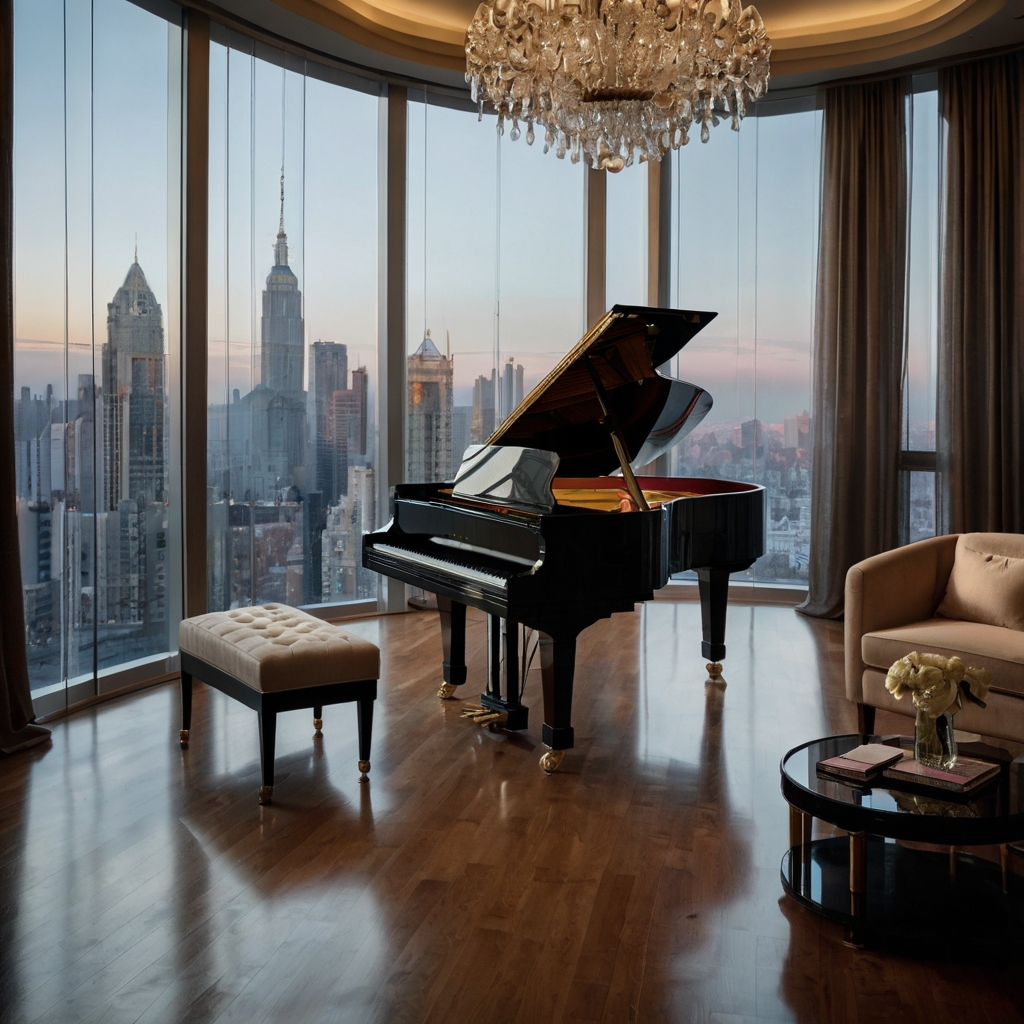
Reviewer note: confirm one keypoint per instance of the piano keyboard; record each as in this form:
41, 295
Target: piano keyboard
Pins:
450, 565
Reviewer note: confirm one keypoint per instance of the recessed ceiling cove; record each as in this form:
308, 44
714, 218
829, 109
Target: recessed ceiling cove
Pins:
806, 35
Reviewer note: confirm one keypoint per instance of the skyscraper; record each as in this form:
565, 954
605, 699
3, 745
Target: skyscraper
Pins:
482, 423
429, 379
275, 410
281, 327
328, 373
133, 396
512, 377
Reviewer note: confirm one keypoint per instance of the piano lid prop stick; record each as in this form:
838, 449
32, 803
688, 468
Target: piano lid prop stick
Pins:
620, 447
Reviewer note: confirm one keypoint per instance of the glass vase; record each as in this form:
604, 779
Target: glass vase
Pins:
934, 744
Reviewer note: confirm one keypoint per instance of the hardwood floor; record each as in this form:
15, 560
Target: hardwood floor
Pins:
639, 883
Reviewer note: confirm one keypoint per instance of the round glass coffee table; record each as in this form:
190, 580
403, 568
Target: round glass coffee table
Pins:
872, 879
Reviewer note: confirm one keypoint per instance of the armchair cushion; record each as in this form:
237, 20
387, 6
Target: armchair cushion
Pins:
999, 650
986, 584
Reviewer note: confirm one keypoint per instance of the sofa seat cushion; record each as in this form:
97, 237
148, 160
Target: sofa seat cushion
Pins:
273, 647
999, 650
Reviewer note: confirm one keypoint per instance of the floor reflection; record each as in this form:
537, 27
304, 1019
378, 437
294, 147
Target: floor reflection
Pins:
638, 883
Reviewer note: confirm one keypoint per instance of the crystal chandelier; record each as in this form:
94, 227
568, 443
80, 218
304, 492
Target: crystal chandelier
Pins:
611, 78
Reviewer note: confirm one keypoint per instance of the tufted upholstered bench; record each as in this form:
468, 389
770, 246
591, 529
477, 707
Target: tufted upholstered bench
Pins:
274, 658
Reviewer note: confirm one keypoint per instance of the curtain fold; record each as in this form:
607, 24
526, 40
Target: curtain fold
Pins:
980, 428
858, 335
16, 714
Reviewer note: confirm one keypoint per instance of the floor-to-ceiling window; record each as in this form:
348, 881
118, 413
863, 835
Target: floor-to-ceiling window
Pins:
626, 237
292, 328
920, 379
495, 278
744, 245
96, 147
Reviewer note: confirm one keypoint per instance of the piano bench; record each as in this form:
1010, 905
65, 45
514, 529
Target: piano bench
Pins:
274, 658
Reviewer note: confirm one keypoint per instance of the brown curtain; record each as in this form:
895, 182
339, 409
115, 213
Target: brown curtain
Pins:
980, 429
858, 335
16, 712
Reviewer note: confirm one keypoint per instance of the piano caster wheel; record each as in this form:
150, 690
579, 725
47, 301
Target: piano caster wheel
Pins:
364, 767
447, 691
266, 792
493, 727
318, 724
550, 761
715, 673
183, 739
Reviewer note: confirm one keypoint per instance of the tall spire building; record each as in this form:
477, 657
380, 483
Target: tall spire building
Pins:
277, 406
134, 399
281, 328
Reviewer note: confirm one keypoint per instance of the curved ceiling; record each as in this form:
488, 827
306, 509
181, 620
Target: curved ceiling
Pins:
807, 35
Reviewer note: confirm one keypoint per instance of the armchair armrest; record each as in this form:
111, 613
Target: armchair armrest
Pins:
893, 589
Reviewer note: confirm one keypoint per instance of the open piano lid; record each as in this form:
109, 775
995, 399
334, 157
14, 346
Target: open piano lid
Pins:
614, 367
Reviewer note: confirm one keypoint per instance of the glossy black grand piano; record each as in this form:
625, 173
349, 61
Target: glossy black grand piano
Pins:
556, 553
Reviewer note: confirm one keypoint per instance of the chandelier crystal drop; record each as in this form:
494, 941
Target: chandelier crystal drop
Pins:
610, 79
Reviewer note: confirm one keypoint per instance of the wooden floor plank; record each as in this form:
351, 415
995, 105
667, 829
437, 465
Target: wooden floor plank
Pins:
140, 883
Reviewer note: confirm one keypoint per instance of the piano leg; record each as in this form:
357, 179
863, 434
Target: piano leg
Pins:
453, 643
499, 703
714, 598
557, 667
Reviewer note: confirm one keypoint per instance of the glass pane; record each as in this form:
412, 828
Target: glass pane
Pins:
921, 515
626, 237
745, 225
788, 177
922, 276
94, 251
291, 438
491, 304
40, 337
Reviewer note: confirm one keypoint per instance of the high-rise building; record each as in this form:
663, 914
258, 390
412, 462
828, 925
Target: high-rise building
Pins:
328, 373
357, 433
429, 379
520, 385
512, 381
134, 398
271, 425
281, 326
348, 427
482, 422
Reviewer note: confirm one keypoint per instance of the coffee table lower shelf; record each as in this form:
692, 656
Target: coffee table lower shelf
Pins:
911, 902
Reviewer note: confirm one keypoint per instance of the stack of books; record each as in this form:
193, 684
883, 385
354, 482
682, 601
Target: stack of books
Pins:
873, 760
968, 773
862, 763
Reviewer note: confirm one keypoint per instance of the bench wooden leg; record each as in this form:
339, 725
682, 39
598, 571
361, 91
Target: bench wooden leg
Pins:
186, 709
365, 719
318, 718
268, 734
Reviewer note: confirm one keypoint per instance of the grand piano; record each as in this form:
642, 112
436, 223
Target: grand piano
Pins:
535, 531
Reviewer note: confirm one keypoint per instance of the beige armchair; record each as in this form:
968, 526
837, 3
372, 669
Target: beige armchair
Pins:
891, 600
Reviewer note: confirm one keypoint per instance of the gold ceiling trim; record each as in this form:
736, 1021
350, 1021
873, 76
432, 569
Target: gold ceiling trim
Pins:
429, 31
901, 39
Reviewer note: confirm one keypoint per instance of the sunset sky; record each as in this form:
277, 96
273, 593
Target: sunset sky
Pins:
493, 226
